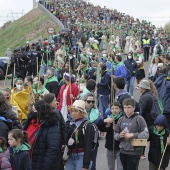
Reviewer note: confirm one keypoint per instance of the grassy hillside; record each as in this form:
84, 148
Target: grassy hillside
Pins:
30, 27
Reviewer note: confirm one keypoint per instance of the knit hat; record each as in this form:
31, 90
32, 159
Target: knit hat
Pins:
161, 120
79, 105
144, 84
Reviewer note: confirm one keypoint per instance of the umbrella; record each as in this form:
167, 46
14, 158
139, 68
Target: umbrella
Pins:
65, 30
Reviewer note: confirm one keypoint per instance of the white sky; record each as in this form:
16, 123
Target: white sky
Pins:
158, 10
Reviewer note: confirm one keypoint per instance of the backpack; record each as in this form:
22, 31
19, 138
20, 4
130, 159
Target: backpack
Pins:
96, 136
157, 107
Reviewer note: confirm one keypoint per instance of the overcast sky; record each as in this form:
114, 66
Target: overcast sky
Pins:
155, 10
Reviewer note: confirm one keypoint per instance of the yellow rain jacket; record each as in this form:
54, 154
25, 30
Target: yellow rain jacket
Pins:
21, 100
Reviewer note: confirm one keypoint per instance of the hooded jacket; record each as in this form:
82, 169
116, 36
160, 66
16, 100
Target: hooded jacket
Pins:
46, 150
20, 158
163, 88
135, 124
154, 154
131, 65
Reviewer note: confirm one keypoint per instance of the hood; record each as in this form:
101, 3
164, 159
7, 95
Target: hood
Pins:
121, 92
161, 120
158, 82
52, 120
24, 147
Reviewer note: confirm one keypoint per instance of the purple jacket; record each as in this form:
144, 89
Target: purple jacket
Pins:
6, 165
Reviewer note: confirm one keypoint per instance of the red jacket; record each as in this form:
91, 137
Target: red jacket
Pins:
74, 91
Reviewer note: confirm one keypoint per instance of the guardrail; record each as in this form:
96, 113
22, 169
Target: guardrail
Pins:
54, 18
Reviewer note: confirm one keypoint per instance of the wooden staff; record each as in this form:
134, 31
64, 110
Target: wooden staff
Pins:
163, 155
70, 80
37, 64
40, 70
114, 154
6, 74
14, 74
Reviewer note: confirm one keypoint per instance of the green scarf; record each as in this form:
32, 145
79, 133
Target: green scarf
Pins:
1, 150
50, 80
115, 117
119, 64
156, 132
41, 91
94, 114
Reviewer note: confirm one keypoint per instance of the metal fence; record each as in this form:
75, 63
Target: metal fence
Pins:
54, 18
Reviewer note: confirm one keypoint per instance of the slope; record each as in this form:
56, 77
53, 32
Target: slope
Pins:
30, 27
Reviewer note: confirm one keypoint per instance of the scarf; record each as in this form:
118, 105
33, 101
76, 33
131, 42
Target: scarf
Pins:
50, 80
119, 64
41, 91
156, 132
115, 117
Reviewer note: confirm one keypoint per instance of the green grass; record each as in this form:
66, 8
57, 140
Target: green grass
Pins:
28, 28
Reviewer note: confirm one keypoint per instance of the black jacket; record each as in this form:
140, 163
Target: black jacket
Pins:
109, 135
85, 141
4, 129
103, 87
146, 102
63, 127
53, 87
9, 114
46, 150
131, 65
20, 160
154, 154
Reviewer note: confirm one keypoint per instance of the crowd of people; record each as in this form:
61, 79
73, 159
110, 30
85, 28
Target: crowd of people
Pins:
69, 90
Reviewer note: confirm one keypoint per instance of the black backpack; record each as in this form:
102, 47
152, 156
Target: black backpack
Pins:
96, 136
156, 108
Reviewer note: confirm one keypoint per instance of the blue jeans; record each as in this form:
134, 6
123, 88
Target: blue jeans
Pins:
103, 104
130, 85
43, 69
75, 161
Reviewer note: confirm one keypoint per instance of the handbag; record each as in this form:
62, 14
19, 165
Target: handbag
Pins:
66, 153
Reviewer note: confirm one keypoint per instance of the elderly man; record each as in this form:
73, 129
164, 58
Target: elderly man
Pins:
51, 83
146, 102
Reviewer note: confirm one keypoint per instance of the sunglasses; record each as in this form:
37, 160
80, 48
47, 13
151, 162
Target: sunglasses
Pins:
90, 101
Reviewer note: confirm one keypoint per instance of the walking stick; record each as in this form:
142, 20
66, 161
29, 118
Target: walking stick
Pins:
163, 156
114, 154
6, 75
14, 75
70, 80
37, 64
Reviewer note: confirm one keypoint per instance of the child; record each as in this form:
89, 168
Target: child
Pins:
19, 150
107, 125
158, 134
130, 126
4, 155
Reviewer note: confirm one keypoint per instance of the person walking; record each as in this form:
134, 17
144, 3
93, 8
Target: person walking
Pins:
131, 65
124, 133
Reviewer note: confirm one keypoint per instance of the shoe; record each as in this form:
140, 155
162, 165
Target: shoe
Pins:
142, 157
